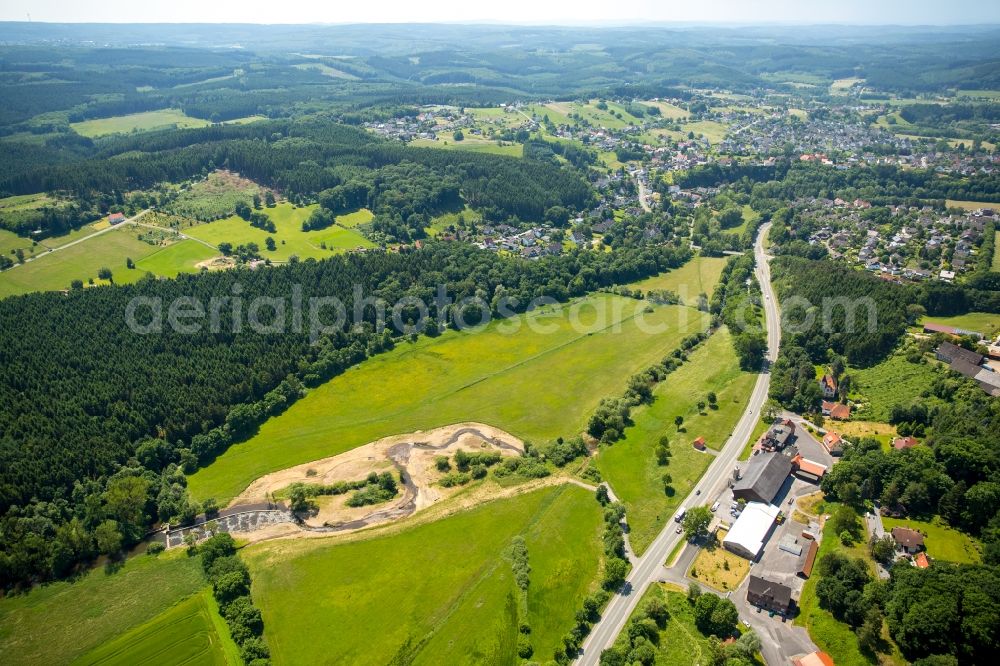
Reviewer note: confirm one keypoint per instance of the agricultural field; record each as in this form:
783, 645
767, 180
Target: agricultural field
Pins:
698, 276
893, 381
215, 196
137, 122
99, 606
718, 568
680, 644
630, 465
343, 603
82, 261
289, 237
987, 323
942, 541
668, 111
180, 257
470, 142
188, 632
537, 376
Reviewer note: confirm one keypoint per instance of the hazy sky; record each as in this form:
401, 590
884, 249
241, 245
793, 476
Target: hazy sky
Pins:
508, 11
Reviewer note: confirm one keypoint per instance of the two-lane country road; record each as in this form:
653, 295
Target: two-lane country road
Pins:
648, 567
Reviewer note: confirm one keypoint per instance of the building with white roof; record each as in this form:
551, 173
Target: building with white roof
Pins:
747, 535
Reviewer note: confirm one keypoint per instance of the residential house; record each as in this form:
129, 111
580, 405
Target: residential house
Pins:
840, 412
901, 443
920, 561
833, 443
769, 595
116, 218
829, 386
909, 541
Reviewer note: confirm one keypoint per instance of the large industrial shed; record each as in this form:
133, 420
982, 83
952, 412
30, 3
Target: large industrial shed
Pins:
762, 478
751, 529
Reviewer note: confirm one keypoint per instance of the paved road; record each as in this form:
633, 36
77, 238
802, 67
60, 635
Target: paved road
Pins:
649, 567
642, 196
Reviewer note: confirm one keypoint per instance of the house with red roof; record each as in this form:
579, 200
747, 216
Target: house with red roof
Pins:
901, 443
699, 443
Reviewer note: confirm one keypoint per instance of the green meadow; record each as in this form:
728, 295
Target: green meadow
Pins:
893, 381
137, 122
186, 633
289, 238
987, 323
942, 541
470, 142
438, 593
182, 257
55, 271
630, 465
537, 375
698, 276
58, 623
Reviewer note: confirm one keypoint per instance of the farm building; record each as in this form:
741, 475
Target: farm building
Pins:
950, 353
808, 560
699, 443
950, 330
808, 470
763, 477
768, 594
116, 218
747, 535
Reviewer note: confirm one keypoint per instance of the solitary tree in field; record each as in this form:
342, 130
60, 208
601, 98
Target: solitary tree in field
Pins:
105, 274
678, 421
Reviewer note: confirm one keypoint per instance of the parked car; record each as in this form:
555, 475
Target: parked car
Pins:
715, 506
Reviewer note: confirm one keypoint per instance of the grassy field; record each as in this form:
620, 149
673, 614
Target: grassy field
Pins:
137, 122
698, 276
680, 644
718, 568
289, 237
630, 465
987, 323
471, 142
82, 261
326, 70
186, 633
942, 542
172, 260
893, 381
436, 593
540, 382
854, 430
60, 622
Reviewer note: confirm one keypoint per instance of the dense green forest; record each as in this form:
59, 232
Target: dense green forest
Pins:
91, 405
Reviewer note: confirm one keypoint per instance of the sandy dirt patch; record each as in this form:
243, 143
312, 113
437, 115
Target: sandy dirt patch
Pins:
413, 454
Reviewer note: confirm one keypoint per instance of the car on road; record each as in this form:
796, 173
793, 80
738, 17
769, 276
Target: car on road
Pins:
715, 507
746, 623
680, 529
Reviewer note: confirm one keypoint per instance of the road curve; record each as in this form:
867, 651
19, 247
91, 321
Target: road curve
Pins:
647, 568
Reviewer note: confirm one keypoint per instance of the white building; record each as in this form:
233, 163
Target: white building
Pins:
748, 534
